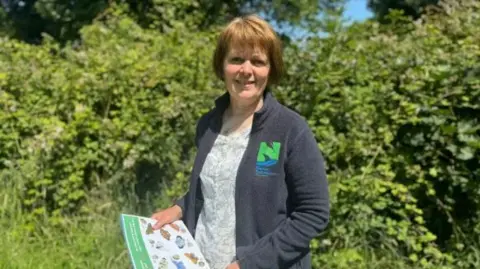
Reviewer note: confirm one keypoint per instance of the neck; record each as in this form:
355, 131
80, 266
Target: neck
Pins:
238, 117
242, 110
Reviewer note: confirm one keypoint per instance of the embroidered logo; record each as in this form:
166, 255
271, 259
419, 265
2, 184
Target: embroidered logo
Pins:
267, 157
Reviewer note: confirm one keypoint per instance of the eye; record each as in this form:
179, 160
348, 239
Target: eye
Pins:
259, 62
236, 60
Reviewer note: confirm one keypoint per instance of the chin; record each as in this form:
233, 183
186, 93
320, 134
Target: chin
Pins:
249, 95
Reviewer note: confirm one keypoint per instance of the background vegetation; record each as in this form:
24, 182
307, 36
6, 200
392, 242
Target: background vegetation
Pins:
98, 106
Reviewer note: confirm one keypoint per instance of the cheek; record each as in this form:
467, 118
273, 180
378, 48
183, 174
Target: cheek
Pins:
263, 73
230, 71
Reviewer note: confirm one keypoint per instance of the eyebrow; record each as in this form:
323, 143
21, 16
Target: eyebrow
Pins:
238, 54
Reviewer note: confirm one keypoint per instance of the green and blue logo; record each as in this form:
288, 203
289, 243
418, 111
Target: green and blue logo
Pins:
267, 157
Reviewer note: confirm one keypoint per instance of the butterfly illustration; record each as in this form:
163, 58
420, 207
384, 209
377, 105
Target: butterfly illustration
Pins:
149, 229
165, 234
163, 264
192, 257
175, 227
179, 264
159, 245
180, 242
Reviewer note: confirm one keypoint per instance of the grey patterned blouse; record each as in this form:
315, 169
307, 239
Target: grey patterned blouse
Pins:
215, 232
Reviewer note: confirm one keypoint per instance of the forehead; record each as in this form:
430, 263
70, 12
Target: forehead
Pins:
247, 51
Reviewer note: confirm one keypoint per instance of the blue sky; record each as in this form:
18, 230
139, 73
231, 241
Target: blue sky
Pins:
356, 10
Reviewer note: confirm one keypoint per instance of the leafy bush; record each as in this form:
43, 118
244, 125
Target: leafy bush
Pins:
396, 114
122, 105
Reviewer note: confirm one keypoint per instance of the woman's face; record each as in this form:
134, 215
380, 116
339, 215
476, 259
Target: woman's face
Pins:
246, 74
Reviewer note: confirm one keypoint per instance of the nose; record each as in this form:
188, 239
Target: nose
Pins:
246, 67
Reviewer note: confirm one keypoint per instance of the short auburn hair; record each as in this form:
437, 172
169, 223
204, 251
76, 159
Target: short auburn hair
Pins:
252, 32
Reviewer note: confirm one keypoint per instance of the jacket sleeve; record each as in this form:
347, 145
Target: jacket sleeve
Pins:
308, 187
181, 202
199, 130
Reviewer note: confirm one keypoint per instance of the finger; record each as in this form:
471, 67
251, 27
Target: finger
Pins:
159, 224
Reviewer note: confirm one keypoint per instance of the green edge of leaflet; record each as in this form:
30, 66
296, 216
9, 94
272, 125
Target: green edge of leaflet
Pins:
133, 237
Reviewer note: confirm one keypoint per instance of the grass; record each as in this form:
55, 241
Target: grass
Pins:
93, 240
96, 244
79, 242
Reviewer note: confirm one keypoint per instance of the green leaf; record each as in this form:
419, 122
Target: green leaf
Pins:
466, 153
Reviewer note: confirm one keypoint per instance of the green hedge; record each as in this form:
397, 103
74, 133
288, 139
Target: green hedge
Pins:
395, 111
121, 107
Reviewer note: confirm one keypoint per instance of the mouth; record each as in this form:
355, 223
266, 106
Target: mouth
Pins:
245, 83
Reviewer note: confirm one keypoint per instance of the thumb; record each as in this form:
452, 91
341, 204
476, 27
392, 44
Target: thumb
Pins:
159, 224
160, 220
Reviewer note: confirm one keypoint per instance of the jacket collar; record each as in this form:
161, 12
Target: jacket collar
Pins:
270, 104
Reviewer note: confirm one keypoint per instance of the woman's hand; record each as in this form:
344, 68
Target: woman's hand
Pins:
167, 216
233, 265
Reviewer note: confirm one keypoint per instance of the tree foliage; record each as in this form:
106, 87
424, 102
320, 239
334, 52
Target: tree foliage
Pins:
397, 114
411, 8
63, 19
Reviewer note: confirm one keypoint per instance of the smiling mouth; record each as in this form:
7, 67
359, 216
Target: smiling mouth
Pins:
245, 82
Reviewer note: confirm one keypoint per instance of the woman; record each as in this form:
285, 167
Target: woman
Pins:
258, 191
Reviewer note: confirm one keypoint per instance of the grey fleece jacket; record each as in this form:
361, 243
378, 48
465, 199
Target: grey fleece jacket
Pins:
281, 192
